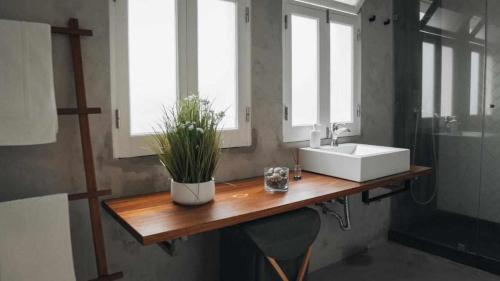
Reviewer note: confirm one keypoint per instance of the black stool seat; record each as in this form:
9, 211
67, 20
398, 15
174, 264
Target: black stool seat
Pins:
276, 248
285, 236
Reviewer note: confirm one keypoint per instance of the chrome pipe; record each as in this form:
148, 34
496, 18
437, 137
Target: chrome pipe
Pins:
345, 220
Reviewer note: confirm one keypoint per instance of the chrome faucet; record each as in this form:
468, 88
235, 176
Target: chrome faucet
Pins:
335, 130
450, 123
450, 120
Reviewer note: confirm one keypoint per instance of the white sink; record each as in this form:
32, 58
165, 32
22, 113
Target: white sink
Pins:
355, 162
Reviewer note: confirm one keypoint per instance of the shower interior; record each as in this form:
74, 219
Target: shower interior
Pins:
447, 84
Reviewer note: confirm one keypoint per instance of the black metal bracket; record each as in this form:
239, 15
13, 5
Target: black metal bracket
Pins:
365, 196
170, 247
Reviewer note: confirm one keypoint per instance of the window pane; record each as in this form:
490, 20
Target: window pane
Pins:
217, 57
305, 48
341, 72
428, 53
474, 83
446, 81
152, 61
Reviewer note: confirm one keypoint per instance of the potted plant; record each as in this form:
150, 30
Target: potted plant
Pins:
188, 145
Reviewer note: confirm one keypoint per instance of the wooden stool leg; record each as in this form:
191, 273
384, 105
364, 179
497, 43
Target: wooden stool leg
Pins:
303, 268
278, 269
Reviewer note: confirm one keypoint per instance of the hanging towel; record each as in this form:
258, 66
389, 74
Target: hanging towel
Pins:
28, 113
35, 242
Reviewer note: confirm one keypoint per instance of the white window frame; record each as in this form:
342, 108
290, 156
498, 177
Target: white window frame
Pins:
355, 21
125, 145
302, 133
335, 5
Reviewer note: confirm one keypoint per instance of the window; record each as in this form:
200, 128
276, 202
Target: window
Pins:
347, 6
474, 83
305, 68
322, 69
152, 62
164, 50
343, 101
446, 81
217, 46
428, 58
437, 77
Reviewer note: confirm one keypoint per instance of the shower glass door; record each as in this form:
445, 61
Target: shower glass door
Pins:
451, 116
489, 211
440, 57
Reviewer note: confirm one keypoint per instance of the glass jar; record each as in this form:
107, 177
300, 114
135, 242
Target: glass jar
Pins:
276, 179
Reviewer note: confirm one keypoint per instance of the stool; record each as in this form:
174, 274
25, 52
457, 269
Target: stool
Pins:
276, 248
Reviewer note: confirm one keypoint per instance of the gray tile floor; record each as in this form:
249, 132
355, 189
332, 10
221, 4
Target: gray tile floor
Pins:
393, 262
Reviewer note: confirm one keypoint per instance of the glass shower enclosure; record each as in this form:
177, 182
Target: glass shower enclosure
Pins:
447, 83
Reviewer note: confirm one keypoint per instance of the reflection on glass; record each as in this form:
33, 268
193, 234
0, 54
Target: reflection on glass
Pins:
350, 2
217, 57
428, 54
473, 23
424, 6
305, 48
341, 72
474, 83
446, 81
446, 20
481, 33
152, 61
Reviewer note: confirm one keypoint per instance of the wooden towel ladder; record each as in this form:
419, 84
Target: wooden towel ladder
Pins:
92, 194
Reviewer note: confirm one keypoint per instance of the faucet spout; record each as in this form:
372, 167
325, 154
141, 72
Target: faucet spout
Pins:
336, 130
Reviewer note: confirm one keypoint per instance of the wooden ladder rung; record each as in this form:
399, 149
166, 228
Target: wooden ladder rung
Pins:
88, 195
77, 111
110, 277
71, 31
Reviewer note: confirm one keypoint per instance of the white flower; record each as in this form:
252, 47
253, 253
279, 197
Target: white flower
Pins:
191, 127
200, 130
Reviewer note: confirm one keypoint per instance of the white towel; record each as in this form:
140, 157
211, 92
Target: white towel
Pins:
28, 113
35, 242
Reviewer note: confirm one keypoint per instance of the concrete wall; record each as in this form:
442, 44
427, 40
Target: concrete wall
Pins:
47, 169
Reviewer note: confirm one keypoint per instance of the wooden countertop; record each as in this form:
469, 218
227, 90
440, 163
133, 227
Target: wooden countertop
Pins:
155, 218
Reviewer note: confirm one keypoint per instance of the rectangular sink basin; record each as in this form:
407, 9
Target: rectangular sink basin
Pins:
355, 162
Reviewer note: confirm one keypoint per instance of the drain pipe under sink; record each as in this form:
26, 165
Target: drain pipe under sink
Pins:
344, 221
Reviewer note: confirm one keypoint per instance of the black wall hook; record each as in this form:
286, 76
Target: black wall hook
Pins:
372, 18
387, 21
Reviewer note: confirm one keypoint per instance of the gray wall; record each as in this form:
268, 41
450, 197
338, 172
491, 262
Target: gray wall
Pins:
53, 168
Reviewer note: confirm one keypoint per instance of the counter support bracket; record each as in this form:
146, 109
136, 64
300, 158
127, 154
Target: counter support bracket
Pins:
170, 247
395, 190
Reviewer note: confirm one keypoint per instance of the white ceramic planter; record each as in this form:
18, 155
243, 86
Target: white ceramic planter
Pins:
192, 193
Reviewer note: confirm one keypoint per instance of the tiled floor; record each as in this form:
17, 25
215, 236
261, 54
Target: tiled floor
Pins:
393, 262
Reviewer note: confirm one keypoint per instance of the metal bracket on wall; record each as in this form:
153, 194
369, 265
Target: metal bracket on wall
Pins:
170, 247
396, 189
